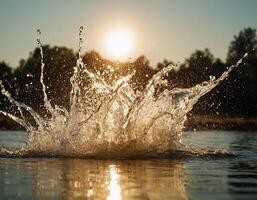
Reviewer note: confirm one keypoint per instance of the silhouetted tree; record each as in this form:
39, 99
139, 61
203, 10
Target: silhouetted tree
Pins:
6, 78
59, 63
197, 68
143, 72
5, 71
244, 42
242, 84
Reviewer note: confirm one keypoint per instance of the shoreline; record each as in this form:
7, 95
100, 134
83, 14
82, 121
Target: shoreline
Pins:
195, 122
207, 122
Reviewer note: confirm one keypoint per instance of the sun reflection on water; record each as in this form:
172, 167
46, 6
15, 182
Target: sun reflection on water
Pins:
114, 187
72, 179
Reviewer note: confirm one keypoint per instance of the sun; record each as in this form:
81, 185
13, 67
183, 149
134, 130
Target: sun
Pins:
118, 44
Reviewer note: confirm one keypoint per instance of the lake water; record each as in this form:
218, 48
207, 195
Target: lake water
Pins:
227, 177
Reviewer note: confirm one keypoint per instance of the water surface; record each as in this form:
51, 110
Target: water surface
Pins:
209, 177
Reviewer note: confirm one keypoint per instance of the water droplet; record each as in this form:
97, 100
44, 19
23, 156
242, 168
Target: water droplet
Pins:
38, 41
212, 78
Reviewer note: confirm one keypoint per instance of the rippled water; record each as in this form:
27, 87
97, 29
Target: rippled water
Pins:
197, 177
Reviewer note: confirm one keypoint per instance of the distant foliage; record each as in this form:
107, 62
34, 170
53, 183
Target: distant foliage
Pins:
245, 41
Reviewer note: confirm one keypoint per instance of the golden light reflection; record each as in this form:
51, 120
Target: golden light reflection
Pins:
71, 179
118, 44
114, 187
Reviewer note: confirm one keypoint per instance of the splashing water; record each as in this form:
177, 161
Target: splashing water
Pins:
122, 123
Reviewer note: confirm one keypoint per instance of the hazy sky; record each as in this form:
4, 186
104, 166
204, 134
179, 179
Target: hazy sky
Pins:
171, 29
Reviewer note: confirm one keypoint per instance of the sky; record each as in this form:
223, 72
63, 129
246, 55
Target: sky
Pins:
171, 29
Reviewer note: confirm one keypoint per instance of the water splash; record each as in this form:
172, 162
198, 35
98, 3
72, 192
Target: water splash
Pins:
121, 123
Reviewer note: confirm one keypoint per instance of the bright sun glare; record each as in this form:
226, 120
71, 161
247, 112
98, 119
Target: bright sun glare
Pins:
118, 44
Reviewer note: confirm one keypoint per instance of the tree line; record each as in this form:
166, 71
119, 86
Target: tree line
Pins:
235, 97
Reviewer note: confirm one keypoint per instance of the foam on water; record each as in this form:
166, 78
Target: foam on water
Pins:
122, 123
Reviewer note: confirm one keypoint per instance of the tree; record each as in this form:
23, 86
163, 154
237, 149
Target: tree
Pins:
5, 71
5, 77
199, 66
241, 99
59, 63
143, 72
244, 42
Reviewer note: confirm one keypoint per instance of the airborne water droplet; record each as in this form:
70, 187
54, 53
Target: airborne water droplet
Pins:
29, 75
212, 78
38, 41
